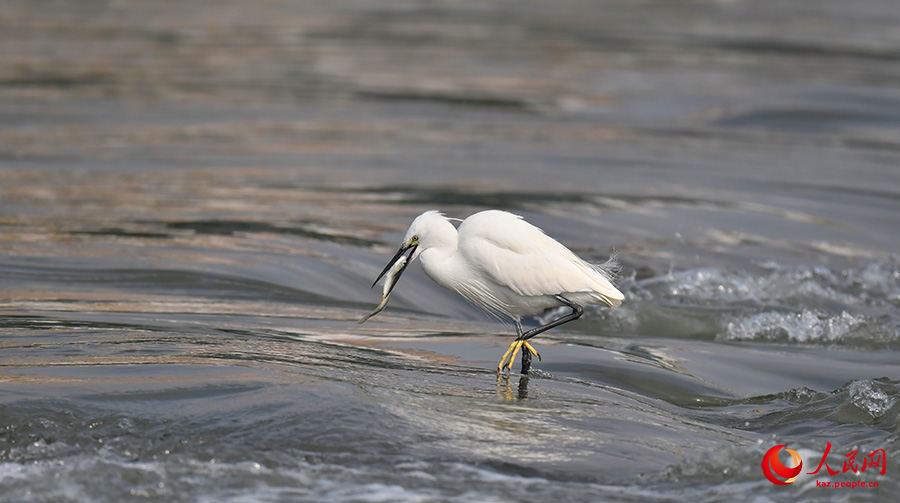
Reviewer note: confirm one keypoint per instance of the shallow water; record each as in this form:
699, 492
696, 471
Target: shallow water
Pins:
195, 198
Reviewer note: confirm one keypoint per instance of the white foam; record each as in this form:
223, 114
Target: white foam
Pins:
773, 303
875, 284
803, 327
869, 398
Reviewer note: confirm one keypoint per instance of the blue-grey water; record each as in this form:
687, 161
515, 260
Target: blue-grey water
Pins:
196, 196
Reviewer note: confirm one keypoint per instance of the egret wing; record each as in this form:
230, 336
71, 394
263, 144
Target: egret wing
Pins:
513, 253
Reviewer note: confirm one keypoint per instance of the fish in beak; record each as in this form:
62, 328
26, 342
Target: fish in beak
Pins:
392, 273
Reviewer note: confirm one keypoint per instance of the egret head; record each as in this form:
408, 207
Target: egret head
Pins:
430, 229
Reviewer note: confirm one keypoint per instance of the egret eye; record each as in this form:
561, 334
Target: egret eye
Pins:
415, 238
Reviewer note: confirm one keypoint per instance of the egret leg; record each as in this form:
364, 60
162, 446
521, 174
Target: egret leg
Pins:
512, 348
526, 356
511, 353
576, 313
521, 341
526, 361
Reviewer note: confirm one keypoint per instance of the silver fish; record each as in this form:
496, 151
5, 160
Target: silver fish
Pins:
390, 280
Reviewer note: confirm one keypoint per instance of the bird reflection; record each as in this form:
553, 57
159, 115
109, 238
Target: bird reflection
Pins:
505, 389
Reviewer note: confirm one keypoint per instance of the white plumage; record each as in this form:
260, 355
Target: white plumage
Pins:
506, 266
503, 264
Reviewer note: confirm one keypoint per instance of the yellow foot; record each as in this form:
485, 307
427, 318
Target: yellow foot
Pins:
511, 353
513, 350
533, 351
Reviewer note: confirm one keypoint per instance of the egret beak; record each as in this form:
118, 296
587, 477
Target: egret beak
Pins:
394, 270
411, 248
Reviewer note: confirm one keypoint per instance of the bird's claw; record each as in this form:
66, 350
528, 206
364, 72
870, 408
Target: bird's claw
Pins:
511, 353
533, 351
513, 350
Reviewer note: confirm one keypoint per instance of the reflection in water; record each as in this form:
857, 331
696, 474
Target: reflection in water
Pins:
504, 385
523, 387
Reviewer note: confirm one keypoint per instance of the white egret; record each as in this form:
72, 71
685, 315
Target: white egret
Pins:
507, 267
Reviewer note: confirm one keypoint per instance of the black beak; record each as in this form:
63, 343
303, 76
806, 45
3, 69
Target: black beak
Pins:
411, 248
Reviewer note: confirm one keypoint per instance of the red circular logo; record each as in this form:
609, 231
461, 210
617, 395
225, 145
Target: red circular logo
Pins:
771, 463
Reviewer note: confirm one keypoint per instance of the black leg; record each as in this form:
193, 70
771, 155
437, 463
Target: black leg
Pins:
526, 361
526, 354
576, 313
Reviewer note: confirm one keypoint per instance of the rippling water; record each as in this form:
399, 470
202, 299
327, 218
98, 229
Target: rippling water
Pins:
195, 198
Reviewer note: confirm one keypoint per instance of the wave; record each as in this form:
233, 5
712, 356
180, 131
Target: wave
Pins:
812, 326
771, 303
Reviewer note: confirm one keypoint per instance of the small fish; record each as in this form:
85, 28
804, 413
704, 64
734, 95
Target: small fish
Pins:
389, 281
